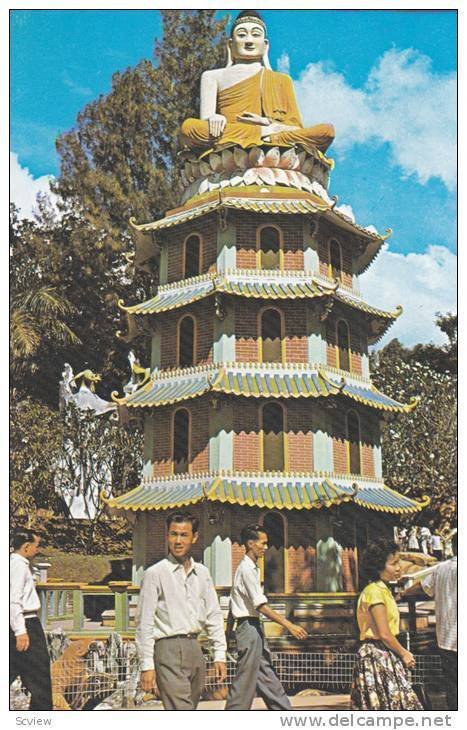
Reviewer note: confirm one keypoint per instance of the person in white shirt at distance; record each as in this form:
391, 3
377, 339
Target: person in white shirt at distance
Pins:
29, 657
255, 673
177, 601
441, 584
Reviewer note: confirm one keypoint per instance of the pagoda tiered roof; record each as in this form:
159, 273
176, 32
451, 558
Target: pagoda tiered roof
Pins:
259, 380
270, 200
259, 284
272, 490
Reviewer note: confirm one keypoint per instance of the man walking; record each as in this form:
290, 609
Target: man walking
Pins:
177, 601
29, 657
255, 674
441, 584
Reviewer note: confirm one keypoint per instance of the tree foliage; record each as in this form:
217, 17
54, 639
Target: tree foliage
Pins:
420, 448
55, 456
120, 158
96, 455
118, 161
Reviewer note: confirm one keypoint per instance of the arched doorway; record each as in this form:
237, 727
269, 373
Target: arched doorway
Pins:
269, 248
192, 256
271, 333
354, 439
273, 437
186, 341
181, 441
274, 557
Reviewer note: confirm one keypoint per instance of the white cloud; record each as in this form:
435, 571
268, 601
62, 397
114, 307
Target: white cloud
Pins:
24, 188
347, 210
423, 283
403, 103
283, 63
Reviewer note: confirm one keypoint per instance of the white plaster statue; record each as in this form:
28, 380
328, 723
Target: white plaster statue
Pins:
247, 103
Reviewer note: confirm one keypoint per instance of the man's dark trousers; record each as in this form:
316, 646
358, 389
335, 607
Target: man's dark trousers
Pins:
449, 663
33, 666
255, 674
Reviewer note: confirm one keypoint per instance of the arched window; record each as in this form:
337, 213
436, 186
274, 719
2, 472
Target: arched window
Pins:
343, 345
181, 441
271, 335
273, 437
186, 341
335, 259
274, 557
353, 436
269, 248
192, 263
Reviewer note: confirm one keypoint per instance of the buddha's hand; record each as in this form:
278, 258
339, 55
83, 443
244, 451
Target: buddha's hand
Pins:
250, 118
216, 125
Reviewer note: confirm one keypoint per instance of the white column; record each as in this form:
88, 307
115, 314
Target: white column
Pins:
217, 554
156, 349
148, 444
226, 249
310, 247
316, 341
365, 366
221, 438
323, 459
224, 335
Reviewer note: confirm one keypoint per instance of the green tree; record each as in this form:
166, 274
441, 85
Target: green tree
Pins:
54, 456
96, 455
420, 448
120, 158
36, 434
118, 161
41, 315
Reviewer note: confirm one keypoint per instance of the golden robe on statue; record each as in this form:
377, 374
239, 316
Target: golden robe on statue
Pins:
267, 93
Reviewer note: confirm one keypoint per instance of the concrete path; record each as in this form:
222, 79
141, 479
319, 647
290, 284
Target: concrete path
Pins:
310, 702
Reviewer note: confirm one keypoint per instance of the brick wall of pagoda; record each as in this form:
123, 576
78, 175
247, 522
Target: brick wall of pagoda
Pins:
168, 322
162, 424
207, 228
246, 441
299, 428
248, 328
246, 226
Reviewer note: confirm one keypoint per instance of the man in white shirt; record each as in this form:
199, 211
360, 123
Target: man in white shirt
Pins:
436, 545
177, 601
441, 584
255, 674
29, 657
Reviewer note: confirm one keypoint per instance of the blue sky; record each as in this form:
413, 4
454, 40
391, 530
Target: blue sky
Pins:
386, 79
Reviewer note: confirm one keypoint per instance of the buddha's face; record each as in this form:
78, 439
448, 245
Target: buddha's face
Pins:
248, 42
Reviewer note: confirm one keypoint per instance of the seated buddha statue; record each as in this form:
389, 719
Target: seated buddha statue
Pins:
246, 103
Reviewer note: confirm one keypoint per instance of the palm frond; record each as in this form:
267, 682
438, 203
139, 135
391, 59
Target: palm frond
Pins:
25, 336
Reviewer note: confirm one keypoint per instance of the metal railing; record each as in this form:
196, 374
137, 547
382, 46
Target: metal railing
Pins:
111, 682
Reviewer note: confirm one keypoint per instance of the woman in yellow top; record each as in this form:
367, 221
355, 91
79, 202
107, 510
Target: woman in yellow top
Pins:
380, 680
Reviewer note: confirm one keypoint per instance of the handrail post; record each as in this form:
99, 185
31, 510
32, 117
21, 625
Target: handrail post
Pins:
120, 591
78, 609
43, 609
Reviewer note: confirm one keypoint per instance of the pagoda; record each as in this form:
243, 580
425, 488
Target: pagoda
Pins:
259, 405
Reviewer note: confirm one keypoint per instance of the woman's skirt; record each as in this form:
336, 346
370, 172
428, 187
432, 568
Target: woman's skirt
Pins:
380, 680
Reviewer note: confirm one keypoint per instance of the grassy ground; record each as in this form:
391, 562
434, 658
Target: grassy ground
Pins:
76, 567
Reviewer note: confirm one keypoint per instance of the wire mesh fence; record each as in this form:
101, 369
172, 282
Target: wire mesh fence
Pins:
110, 681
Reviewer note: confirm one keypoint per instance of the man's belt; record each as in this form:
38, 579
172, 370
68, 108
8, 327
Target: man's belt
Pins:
254, 619
30, 614
181, 636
